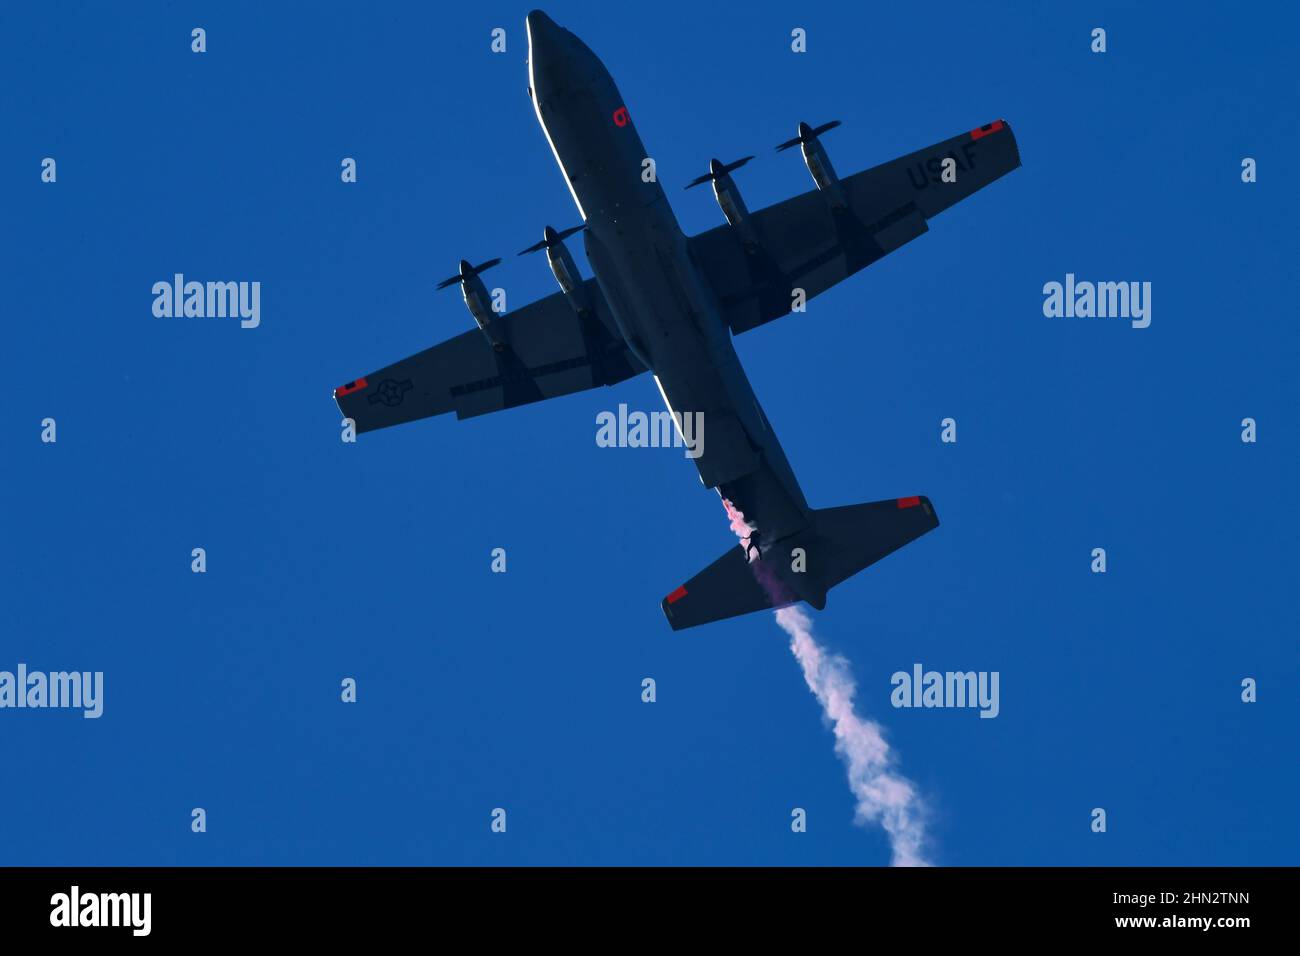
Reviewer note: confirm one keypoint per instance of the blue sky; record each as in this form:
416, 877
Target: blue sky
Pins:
522, 690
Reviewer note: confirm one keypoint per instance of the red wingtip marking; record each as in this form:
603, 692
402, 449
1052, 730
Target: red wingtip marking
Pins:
986, 129
351, 387
909, 502
677, 595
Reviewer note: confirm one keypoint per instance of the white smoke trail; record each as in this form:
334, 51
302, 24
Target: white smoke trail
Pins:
881, 794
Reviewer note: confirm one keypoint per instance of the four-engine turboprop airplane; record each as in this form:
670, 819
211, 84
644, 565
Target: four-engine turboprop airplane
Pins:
670, 304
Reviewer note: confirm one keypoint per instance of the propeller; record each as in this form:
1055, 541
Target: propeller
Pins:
806, 134
550, 237
467, 271
717, 170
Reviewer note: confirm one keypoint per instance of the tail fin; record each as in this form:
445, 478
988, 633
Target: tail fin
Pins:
837, 544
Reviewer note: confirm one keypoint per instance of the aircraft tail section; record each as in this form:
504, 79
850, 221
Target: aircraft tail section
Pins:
856, 536
803, 566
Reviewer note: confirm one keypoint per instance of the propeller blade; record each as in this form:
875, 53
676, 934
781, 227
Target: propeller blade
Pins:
446, 282
484, 266
812, 134
709, 176
547, 243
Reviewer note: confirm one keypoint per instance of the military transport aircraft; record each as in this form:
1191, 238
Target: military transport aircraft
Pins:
663, 302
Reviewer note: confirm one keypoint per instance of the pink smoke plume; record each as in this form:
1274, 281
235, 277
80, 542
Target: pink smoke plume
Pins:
881, 794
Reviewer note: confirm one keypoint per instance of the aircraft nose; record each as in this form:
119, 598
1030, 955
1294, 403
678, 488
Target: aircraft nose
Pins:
541, 29
537, 19
547, 54
557, 60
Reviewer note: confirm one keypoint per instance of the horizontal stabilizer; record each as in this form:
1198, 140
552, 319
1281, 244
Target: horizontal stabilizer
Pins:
726, 588
857, 536
837, 544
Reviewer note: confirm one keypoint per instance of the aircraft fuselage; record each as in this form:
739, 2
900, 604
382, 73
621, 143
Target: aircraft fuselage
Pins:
664, 309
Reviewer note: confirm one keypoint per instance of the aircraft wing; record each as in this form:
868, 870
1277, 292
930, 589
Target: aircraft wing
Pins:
550, 350
804, 244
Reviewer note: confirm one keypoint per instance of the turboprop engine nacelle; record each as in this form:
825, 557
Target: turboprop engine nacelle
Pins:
728, 197
562, 265
818, 163
477, 299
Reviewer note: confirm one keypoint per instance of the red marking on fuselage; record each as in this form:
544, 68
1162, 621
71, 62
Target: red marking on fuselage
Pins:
986, 129
909, 502
677, 595
620, 116
351, 387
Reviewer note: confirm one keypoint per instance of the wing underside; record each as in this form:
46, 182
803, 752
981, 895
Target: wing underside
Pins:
805, 243
549, 349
